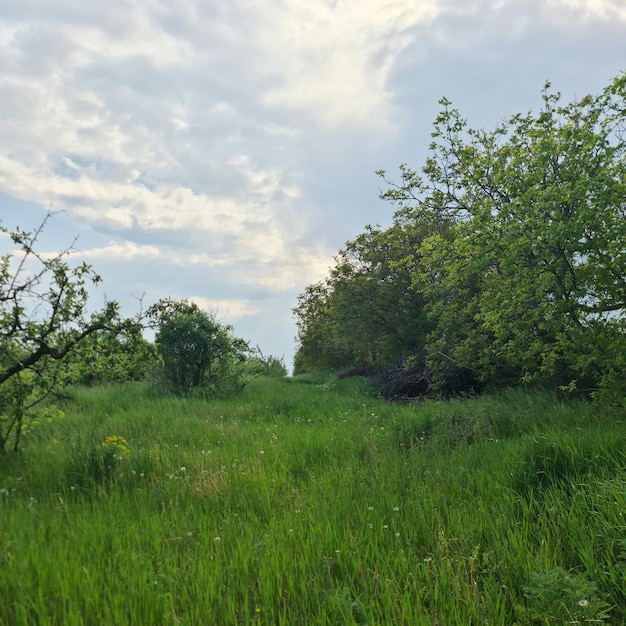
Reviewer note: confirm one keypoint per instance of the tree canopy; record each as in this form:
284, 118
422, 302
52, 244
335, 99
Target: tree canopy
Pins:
506, 260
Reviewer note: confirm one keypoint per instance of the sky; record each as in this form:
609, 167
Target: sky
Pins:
224, 151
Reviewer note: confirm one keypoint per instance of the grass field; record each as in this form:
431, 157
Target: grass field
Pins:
310, 501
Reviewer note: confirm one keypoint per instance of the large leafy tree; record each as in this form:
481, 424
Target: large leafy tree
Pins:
43, 317
530, 280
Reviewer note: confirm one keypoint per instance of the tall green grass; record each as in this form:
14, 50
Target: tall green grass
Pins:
313, 502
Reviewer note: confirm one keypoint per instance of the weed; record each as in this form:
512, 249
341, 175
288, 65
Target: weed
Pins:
560, 597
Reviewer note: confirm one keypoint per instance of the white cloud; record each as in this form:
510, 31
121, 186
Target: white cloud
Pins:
229, 310
120, 253
605, 9
332, 60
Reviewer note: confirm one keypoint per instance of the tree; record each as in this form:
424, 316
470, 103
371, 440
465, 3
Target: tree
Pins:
43, 317
529, 281
365, 316
196, 352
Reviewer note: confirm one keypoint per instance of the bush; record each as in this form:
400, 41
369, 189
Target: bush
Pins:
198, 354
260, 365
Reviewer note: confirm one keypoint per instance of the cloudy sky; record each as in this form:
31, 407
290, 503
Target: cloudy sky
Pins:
224, 150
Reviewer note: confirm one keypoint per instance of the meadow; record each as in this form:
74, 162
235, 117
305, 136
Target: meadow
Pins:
311, 501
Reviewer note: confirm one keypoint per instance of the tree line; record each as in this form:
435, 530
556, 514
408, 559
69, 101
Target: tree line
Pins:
505, 263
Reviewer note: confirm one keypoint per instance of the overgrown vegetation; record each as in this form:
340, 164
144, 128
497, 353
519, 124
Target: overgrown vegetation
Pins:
313, 502
505, 264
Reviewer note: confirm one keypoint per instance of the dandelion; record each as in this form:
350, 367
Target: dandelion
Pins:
370, 508
583, 603
217, 539
396, 508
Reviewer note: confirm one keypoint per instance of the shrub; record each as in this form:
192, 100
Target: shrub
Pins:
198, 354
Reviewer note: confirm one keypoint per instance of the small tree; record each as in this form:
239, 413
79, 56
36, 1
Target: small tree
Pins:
43, 316
196, 351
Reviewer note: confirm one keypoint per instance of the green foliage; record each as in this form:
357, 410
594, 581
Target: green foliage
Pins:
506, 262
43, 317
198, 354
257, 364
559, 597
110, 358
364, 314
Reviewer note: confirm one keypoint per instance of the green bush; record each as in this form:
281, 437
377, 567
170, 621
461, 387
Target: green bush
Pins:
198, 355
